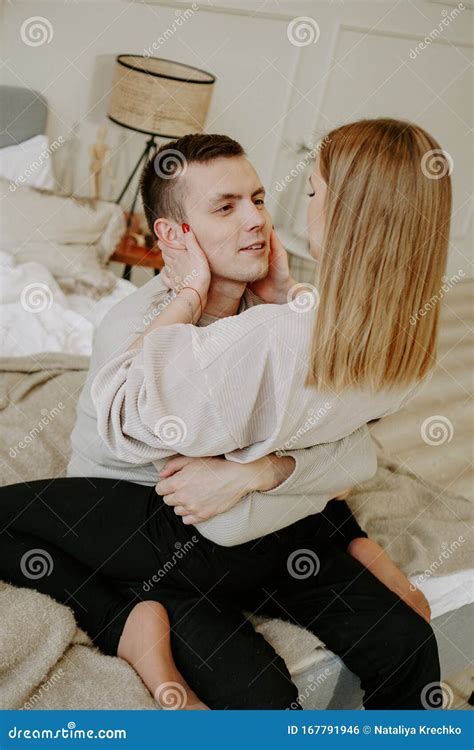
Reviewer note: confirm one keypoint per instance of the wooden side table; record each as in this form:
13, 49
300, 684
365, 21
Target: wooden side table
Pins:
132, 253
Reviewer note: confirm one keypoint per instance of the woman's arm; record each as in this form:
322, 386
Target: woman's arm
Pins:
153, 403
201, 488
190, 300
232, 503
261, 513
184, 308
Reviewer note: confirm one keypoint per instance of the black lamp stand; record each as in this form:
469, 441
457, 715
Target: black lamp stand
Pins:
150, 146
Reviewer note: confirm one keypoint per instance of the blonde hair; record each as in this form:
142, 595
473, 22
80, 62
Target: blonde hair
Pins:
384, 254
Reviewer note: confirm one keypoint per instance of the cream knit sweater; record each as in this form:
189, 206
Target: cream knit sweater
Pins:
235, 387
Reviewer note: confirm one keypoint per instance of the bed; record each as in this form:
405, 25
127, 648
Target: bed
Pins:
54, 248
430, 483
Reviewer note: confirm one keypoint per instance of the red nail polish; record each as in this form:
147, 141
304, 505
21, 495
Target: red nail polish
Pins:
185, 228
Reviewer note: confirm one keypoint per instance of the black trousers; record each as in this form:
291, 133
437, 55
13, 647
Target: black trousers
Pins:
100, 546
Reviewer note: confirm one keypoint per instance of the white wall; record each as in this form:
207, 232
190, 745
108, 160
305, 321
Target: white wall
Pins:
74, 70
271, 94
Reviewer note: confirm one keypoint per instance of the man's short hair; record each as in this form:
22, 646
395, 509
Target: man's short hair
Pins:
160, 187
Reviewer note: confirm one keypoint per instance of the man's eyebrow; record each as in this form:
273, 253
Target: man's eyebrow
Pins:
235, 196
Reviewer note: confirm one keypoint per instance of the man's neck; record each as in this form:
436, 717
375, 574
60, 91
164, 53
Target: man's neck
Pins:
223, 297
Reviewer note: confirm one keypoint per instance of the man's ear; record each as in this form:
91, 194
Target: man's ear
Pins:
169, 234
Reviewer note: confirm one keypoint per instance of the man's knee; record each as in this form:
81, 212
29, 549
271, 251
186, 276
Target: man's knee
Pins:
416, 644
417, 632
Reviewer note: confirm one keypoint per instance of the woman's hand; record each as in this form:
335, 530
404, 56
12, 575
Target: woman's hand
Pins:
186, 270
275, 286
201, 488
187, 267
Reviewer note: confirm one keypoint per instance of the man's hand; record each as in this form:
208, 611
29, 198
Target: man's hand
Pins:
275, 286
201, 488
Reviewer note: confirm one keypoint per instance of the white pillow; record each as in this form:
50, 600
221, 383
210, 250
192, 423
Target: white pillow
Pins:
73, 237
29, 163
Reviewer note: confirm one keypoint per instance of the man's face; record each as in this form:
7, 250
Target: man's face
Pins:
223, 203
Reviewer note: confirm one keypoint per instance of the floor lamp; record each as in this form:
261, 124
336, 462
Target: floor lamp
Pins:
160, 98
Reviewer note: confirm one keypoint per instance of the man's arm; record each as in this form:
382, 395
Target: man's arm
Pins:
320, 473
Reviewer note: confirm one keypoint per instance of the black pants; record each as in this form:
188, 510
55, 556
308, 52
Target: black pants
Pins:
100, 546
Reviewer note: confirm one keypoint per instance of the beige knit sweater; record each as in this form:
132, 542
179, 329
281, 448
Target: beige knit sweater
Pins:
236, 387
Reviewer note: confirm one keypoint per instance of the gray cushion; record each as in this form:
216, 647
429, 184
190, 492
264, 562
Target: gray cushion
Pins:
23, 114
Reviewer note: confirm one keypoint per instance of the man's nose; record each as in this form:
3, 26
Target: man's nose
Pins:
254, 218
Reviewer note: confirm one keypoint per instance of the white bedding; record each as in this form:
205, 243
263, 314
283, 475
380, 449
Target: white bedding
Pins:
37, 316
445, 593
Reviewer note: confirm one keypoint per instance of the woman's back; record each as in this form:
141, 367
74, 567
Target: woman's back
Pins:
235, 387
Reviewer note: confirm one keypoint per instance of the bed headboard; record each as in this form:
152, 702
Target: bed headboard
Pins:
23, 114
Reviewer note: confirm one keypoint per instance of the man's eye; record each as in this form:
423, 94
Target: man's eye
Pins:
261, 201
223, 209
311, 195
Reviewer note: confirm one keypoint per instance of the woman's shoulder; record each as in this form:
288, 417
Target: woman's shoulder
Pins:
258, 328
265, 316
392, 400
414, 389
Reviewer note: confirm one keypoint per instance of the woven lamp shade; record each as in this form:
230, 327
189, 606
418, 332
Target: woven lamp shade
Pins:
159, 97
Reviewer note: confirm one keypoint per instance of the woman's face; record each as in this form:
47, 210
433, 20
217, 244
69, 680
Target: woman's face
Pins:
316, 213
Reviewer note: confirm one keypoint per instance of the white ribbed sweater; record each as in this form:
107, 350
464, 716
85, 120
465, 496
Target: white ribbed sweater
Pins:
236, 388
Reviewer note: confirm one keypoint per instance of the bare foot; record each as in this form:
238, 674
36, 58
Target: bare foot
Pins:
373, 557
145, 644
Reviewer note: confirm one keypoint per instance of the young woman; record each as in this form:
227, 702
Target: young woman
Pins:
380, 228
